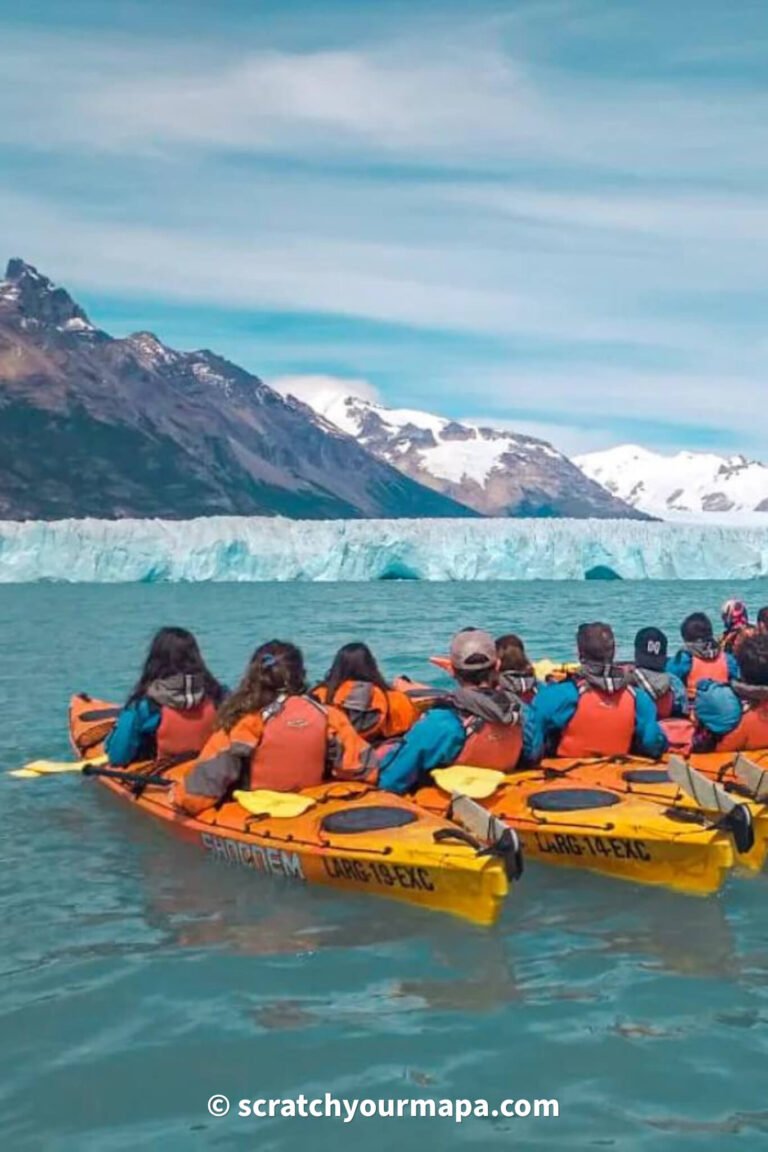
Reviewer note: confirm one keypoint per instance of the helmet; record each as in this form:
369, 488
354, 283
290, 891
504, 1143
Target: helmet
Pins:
734, 614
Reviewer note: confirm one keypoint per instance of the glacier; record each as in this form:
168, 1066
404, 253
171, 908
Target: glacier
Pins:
228, 548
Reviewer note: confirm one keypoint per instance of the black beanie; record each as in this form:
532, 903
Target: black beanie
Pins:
651, 649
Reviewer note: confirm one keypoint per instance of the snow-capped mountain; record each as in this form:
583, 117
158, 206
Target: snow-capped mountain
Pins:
688, 485
494, 471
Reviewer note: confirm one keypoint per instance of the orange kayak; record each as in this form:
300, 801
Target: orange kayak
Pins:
650, 781
578, 824
352, 837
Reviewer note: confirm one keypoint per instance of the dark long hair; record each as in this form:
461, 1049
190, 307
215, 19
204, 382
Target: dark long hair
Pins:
512, 656
353, 662
174, 652
276, 668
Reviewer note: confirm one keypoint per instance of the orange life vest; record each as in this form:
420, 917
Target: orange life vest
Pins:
679, 732
751, 733
701, 669
602, 725
374, 713
490, 745
665, 704
293, 748
184, 730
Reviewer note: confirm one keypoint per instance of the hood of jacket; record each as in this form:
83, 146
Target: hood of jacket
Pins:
751, 693
519, 682
181, 691
704, 649
656, 684
495, 705
608, 678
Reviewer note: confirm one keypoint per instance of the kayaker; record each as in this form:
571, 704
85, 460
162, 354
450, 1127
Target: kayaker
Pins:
271, 734
701, 657
595, 711
171, 710
478, 723
354, 683
736, 626
734, 717
649, 672
515, 669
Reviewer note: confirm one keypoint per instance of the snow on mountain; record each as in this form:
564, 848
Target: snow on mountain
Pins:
688, 485
262, 548
494, 471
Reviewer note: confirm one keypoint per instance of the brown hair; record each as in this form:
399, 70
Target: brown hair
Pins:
753, 659
596, 643
275, 669
512, 657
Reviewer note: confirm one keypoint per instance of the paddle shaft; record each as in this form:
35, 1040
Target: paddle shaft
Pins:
126, 777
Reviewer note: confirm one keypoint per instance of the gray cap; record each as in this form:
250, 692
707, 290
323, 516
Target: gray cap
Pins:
473, 650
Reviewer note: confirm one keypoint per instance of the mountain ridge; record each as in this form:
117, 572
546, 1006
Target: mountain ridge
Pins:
99, 426
672, 486
496, 472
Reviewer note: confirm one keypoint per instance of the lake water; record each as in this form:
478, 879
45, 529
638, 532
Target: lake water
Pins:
138, 979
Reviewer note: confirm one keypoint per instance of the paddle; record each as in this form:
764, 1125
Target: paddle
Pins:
126, 777
37, 768
476, 783
279, 805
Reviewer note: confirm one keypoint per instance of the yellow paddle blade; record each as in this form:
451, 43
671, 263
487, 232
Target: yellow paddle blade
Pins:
51, 767
281, 805
546, 669
476, 783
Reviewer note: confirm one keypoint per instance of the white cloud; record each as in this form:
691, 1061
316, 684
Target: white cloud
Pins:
320, 391
381, 182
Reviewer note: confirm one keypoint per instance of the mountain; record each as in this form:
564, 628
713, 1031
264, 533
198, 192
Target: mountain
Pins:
686, 485
495, 472
96, 426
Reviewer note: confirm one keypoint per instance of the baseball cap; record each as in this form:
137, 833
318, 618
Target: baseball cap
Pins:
651, 649
473, 650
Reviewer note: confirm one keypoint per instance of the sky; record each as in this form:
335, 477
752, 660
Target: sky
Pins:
549, 215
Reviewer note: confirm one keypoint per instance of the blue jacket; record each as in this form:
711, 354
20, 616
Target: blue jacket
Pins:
680, 665
717, 707
679, 695
133, 731
555, 706
435, 741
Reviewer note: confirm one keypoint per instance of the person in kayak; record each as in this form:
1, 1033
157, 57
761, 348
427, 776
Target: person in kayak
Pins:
649, 672
701, 657
480, 722
596, 711
355, 684
271, 734
734, 717
172, 708
736, 626
515, 669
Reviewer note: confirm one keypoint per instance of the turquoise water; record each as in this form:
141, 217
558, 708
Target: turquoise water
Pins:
139, 978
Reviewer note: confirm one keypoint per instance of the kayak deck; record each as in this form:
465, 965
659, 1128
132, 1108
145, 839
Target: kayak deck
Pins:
575, 825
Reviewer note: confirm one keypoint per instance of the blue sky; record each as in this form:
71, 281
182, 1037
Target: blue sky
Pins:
550, 214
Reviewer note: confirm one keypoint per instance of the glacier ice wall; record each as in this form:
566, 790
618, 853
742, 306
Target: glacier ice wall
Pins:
240, 548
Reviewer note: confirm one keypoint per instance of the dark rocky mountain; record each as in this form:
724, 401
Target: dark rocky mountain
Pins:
96, 426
